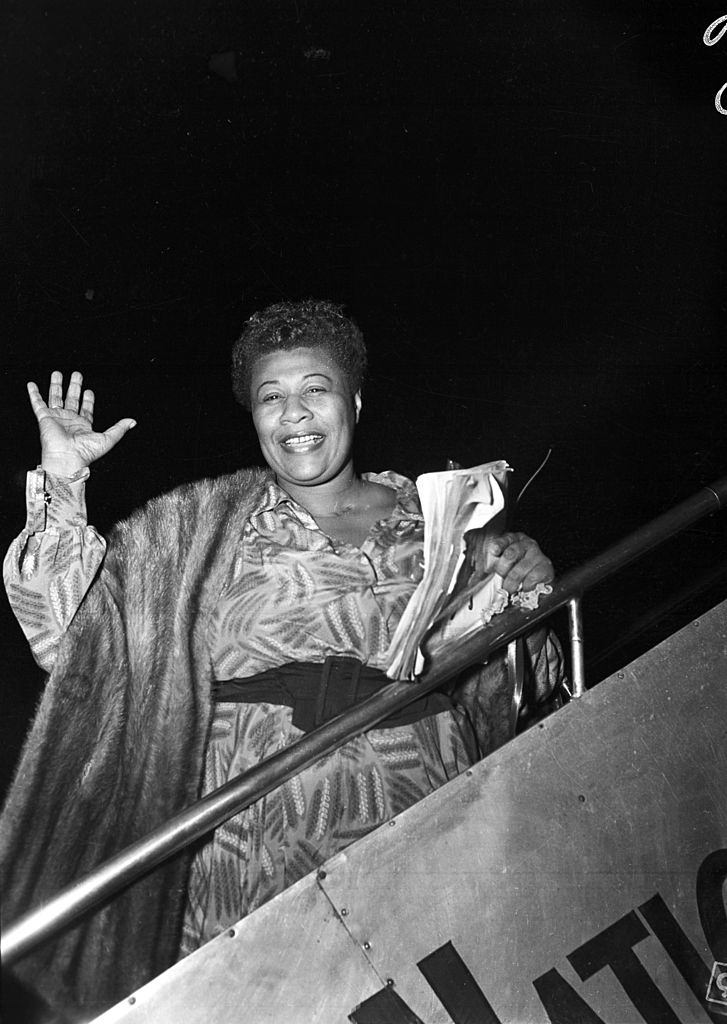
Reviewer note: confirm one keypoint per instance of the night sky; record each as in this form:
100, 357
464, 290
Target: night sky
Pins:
522, 204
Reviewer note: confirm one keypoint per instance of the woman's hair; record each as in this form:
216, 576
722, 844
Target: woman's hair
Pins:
288, 325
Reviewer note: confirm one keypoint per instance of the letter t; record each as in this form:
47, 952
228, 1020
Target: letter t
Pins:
613, 948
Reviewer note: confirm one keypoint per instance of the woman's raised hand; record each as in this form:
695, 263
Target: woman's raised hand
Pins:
68, 440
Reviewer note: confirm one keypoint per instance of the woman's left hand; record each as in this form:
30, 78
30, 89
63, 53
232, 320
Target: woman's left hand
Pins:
518, 559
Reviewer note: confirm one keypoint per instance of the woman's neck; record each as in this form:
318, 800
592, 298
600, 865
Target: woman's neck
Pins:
336, 497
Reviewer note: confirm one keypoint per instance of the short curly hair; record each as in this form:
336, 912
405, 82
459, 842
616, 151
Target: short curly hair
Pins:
307, 324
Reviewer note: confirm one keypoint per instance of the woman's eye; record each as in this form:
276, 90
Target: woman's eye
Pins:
271, 397
315, 389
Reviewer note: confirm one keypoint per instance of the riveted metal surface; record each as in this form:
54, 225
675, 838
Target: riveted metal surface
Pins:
291, 953
517, 863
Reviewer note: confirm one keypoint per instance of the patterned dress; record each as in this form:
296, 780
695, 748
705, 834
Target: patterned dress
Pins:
293, 594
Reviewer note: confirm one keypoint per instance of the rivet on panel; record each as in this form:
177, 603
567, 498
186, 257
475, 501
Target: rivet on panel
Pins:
581, 798
344, 912
392, 822
367, 945
390, 982
231, 933
620, 675
132, 999
321, 875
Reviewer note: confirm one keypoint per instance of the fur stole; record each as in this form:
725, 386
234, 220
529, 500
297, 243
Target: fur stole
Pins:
117, 743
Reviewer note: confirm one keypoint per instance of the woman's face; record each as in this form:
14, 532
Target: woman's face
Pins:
304, 415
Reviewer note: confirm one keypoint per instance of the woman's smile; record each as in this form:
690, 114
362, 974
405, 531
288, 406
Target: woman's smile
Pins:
303, 443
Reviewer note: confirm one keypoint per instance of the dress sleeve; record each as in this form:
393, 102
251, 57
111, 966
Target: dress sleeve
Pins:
51, 564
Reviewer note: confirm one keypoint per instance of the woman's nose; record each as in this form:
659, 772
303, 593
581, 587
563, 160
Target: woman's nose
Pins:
294, 410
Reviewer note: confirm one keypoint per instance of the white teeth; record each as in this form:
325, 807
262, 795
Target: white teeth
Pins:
304, 439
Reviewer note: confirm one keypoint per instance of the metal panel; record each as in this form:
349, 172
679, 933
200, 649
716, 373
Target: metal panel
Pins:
517, 863
291, 952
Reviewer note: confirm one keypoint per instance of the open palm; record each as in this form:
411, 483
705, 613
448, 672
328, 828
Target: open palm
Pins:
68, 441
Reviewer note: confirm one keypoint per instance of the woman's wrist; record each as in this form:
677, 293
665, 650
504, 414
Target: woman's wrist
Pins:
68, 468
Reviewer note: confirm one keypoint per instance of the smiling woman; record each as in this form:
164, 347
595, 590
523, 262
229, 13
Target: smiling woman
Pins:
222, 622
305, 415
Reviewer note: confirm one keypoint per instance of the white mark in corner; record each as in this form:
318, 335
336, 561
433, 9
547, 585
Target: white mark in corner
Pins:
709, 37
717, 988
712, 35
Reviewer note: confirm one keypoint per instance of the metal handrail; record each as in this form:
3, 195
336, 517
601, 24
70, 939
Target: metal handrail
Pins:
443, 663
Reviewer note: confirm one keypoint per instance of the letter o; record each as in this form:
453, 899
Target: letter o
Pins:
710, 902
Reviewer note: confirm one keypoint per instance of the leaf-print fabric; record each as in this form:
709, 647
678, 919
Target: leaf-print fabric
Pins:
296, 595
50, 565
260, 852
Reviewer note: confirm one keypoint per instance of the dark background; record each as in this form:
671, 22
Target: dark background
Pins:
522, 204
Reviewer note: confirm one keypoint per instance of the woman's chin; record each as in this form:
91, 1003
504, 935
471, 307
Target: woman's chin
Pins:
304, 470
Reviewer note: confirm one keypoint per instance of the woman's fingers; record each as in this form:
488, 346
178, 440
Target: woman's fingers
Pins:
77, 400
73, 395
520, 562
501, 551
514, 564
55, 391
115, 433
36, 401
87, 405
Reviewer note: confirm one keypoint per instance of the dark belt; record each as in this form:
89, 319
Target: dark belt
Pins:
318, 691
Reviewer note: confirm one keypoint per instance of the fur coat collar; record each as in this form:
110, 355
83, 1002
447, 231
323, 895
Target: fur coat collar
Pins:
117, 743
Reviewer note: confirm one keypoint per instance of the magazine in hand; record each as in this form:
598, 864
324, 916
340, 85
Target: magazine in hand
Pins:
454, 503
